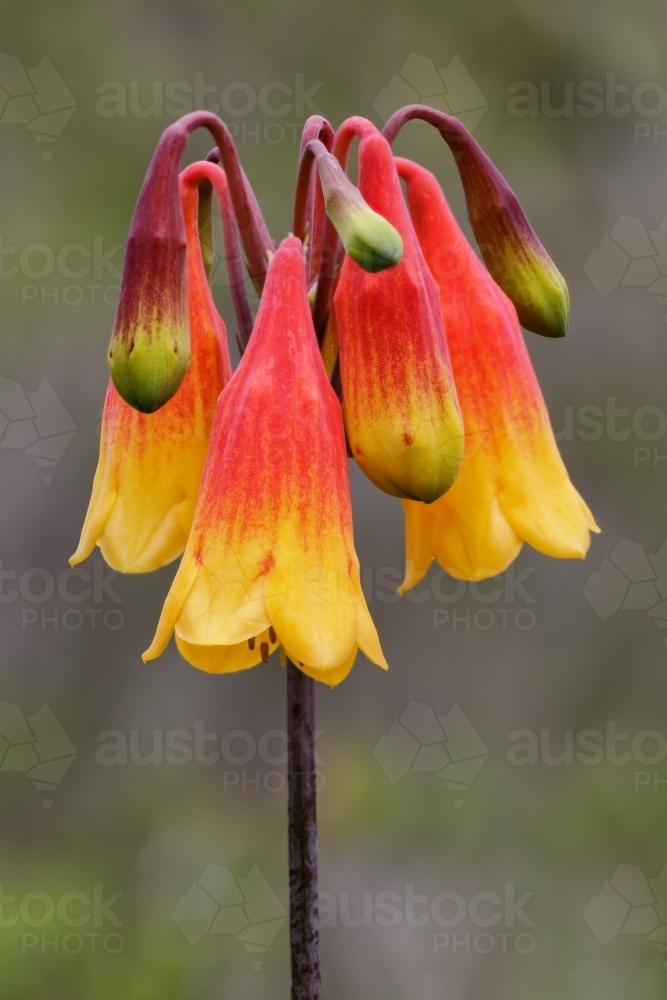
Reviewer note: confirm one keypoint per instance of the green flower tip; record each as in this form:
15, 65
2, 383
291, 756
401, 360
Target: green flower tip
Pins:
368, 238
539, 293
149, 373
371, 241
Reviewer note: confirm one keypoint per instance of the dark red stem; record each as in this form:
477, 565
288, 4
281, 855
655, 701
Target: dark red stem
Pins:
205, 225
308, 201
489, 198
302, 835
209, 172
163, 174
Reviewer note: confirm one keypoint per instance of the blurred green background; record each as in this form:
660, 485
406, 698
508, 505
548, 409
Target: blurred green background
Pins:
575, 843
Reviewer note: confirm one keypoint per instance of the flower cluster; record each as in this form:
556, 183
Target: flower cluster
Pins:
381, 335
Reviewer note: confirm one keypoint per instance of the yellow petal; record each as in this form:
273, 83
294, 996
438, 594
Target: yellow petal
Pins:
419, 549
332, 676
542, 505
176, 598
513, 486
225, 659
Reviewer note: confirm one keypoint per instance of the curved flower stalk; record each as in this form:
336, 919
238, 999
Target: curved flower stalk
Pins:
513, 486
512, 252
149, 351
401, 415
150, 465
270, 560
309, 206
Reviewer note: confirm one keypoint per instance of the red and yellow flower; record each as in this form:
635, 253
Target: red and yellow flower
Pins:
401, 414
439, 399
150, 464
513, 486
270, 560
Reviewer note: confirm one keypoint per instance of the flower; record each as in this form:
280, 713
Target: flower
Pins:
401, 415
513, 486
151, 464
270, 560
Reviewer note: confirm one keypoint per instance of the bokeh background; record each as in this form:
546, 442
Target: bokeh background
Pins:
131, 798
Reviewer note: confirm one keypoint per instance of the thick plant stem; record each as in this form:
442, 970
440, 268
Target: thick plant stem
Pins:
302, 835
315, 128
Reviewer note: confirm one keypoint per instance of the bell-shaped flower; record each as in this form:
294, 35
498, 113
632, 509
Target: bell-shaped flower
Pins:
270, 560
513, 486
402, 419
150, 464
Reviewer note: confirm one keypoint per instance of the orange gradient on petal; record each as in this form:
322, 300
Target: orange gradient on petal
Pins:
513, 486
271, 548
150, 465
401, 414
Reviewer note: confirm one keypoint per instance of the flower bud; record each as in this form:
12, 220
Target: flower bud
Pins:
149, 351
151, 464
512, 252
368, 237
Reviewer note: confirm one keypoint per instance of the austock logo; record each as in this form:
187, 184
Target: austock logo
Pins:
590, 747
37, 98
633, 257
72, 274
36, 746
461, 923
630, 580
218, 903
257, 764
629, 903
591, 422
460, 597
239, 102
73, 586
75, 909
446, 745
35, 422
451, 90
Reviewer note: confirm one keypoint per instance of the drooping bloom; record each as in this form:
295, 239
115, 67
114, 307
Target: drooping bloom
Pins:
151, 464
401, 415
513, 486
507, 242
510, 247
150, 351
270, 560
